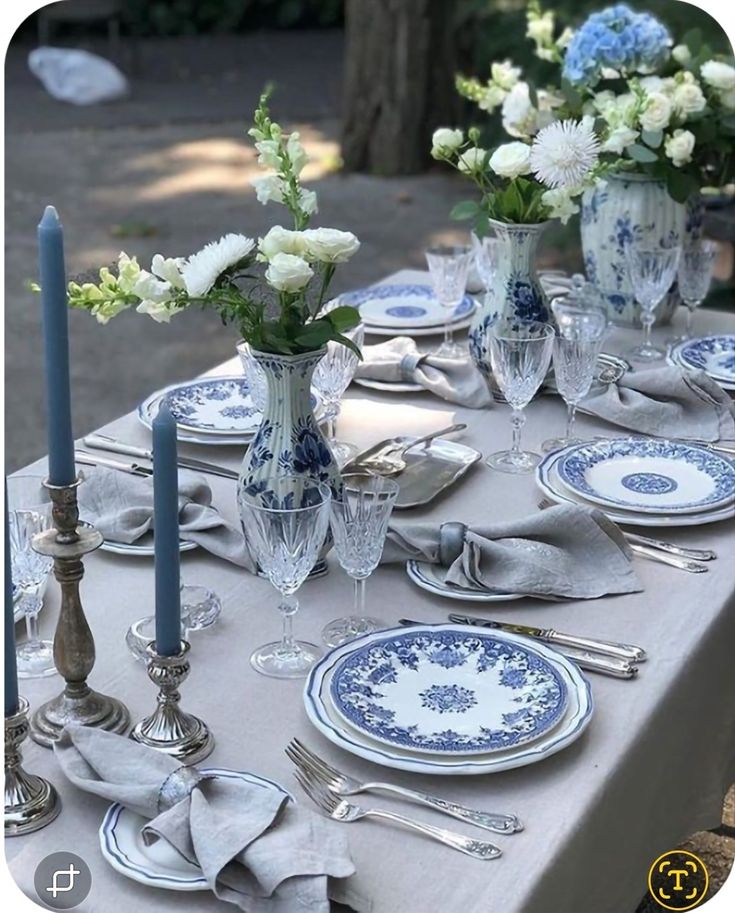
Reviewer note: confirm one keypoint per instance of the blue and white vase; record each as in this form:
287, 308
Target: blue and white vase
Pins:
516, 292
628, 208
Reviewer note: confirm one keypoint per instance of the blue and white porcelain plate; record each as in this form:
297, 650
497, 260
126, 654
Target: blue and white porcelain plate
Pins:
403, 306
158, 865
713, 354
430, 577
651, 476
448, 691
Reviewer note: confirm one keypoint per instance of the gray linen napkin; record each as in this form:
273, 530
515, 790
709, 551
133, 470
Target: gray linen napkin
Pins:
257, 849
121, 507
667, 402
568, 551
399, 360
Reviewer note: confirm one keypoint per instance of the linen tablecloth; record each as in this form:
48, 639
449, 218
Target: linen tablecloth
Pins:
651, 769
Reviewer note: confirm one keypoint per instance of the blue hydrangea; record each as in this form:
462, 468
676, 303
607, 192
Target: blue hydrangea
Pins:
618, 38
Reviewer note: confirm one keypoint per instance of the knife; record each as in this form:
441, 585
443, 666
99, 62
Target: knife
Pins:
91, 459
102, 442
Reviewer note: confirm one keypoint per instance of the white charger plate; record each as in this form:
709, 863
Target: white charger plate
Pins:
416, 333
321, 713
399, 306
158, 865
429, 577
144, 549
387, 386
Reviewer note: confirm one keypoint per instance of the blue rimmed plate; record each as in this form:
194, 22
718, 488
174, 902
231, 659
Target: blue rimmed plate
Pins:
713, 354
648, 476
430, 577
404, 306
448, 692
158, 865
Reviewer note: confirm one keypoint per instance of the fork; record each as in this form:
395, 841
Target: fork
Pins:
342, 810
343, 785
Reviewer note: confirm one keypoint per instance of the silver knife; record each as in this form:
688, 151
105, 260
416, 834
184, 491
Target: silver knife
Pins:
91, 459
102, 442
609, 648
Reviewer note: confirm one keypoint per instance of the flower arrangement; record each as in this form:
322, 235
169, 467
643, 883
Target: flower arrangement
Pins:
660, 109
273, 291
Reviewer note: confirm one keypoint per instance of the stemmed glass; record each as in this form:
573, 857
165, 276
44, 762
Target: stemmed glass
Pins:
650, 272
576, 347
332, 377
254, 375
695, 274
487, 252
359, 521
448, 268
285, 520
520, 355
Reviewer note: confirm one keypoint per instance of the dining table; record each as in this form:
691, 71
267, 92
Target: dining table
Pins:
652, 767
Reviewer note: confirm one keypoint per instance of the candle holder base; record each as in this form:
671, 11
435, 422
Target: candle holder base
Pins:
168, 729
30, 801
88, 709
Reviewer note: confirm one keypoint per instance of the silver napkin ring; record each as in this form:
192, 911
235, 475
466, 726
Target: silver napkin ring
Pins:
409, 363
451, 542
178, 786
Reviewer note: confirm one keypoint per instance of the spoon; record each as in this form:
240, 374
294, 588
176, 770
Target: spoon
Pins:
393, 462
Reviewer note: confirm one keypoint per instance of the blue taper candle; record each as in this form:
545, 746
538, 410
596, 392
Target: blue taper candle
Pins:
11, 668
166, 533
56, 348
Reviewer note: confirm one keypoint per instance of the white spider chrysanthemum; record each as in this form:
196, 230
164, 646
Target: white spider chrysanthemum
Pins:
564, 153
202, 269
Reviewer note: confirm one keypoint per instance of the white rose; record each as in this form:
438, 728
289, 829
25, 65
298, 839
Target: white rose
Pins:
560, 203
505, 74
491, 97
296, 153
651, 84
471, 160
679, 147
288, 273
268, 188
619, 139
657, 113
445, 141
520, 118
541, 28
308, 201
511, 160
681, 54
719, 75
281, 240
330, 245
688, 98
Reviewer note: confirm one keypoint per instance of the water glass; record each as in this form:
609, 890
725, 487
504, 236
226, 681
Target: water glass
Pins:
285, 520
520, 355
448, 268
651, 272
359, 520
487, 253
254, 375
576, 347
695, 275
332, 376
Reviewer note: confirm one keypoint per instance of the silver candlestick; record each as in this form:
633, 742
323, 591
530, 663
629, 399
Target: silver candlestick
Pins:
178, 734
74, 652
30, 801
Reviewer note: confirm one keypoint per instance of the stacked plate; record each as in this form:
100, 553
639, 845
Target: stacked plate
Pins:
406, 309
642, 482
211, 410
713, 354
443, 699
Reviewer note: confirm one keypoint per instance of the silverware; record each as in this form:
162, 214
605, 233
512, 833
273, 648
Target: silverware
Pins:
708, 445
342, 810
91, 459
549, 635
343, 785
382, 452
654, 554
104, 442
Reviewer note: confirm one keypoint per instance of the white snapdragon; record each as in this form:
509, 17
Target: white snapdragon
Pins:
491, 97
657, 112
564, 40
128, 273
296, 153
288, 273
681, 54
679, 147
268, 150
511, 160
169, 269
688, 99
330, 245
719, 75
619, 139
560, 203
504, 74
520, 117
445, 141
308, 201
281, 240
471, 160
540, 27
268, 188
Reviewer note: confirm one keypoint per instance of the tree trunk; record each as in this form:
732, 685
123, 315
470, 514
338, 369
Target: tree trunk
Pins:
399, 83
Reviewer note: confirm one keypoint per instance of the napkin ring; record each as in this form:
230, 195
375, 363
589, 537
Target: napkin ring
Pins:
451, 542
177, 786
168, 729
409, 363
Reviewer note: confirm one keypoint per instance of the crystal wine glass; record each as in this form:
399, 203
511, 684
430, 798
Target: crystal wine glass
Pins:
487, 252
254, 375
448, 268
695, 274
285, 520
650, 272
332, 377
359, 521
576, 347
520, 354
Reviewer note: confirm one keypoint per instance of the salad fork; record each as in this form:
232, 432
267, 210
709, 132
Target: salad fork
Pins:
343, 785
342, 810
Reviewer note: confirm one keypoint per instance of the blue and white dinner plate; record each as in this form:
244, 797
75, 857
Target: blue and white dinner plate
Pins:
650, 476
713, 354
570, 726
398, 306
448, 692
158, 865
430, 577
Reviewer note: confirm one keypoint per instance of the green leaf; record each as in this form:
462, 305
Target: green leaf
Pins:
532, 93
680, 185
482, 225
693, 40
343, 318
652, 138
346, 341
641, 153
467, 209
570, 93
315, 334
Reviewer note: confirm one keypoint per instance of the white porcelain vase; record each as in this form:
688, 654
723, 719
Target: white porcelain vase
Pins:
628, 208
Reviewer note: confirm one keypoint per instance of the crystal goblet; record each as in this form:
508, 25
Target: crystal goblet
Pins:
448, 268
695, 275
332, 376
650, 272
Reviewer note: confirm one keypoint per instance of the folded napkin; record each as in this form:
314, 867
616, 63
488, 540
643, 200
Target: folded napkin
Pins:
121, 507
257, 849
569, 551
667, 402
399, 360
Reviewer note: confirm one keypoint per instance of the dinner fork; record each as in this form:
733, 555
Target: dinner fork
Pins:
343, 785
342, 810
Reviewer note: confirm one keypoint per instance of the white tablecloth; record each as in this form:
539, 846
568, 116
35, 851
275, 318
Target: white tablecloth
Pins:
652, 767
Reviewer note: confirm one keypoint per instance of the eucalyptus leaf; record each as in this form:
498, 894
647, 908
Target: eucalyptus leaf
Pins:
641, 153
652, 138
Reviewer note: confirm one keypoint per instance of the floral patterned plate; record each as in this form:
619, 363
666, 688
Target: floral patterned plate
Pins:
713, 354
403, 307
448, 691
